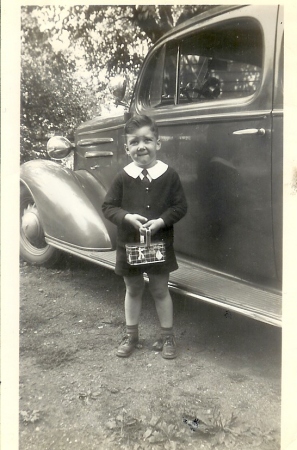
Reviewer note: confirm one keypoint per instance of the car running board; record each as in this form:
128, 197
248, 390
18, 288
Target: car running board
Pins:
204, 284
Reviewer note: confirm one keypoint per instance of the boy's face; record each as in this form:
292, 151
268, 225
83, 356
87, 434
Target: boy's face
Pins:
142, 146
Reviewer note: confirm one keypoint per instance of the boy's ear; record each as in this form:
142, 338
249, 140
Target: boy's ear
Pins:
158, 144
126, 149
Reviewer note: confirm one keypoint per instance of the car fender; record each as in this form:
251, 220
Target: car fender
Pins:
69, 204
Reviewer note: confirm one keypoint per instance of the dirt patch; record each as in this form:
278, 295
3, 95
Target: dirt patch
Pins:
223, 390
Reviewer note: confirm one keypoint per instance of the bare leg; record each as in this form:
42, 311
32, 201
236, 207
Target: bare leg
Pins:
133, 301
160, 292
164, 307
133, 298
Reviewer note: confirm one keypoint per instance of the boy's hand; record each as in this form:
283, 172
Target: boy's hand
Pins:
136, 220
154, 225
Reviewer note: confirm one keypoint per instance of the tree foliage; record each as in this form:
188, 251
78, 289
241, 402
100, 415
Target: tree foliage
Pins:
70, 53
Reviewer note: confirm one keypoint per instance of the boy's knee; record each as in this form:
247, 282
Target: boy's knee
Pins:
134, 292
134, 286
159, 292
158, 286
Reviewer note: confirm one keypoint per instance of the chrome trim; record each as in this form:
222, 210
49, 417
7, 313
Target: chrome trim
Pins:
187, 108
72, 247
115, 127
95, 154
219, 117
277, 112
258, 131
86, 256
86, 142
249, 313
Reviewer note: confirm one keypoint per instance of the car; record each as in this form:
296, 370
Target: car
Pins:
214, 85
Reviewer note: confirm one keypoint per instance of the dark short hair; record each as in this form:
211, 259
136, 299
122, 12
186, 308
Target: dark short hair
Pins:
139, 121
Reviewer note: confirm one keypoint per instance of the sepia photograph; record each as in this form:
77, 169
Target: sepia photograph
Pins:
148, 259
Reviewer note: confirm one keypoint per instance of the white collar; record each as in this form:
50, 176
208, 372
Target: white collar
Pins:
154, 172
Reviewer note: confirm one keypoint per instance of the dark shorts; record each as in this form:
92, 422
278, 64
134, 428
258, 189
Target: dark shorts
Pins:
124, 269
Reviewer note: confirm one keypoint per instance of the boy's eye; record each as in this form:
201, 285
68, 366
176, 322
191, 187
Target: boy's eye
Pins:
135, 142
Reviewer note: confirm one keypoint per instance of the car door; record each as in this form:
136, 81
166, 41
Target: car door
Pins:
210, 89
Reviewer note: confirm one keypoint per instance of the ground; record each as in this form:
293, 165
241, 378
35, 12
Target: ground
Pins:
223, 390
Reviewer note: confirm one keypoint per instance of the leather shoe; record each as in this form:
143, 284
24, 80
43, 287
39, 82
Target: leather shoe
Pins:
127, 345
158, 345
169, 348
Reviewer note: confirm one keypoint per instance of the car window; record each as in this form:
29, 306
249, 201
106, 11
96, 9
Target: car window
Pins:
216, 63
159, 84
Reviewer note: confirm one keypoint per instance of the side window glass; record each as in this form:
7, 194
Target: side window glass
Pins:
215, 64
221, 63
153, 80
169, 76
159, 86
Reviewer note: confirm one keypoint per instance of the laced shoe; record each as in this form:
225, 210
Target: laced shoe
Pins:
127, 345
169, 347
158, 345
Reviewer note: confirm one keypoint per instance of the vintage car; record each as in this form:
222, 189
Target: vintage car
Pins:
214, 85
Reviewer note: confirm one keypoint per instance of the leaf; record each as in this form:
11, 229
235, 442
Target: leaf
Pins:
170, 428
131, 422
94, 395
111, 424
154, 420
156, 437
30, 416
147, 433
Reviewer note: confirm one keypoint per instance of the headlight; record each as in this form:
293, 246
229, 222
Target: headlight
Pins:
58, 147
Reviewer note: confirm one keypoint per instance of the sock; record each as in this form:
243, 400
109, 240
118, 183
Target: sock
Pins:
132, 329
166, 332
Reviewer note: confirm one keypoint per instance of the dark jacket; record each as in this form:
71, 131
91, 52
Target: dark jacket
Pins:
164, 198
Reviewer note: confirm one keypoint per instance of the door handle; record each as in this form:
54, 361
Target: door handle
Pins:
258, 131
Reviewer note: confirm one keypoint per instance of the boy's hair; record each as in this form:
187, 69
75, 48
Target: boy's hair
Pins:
139, 121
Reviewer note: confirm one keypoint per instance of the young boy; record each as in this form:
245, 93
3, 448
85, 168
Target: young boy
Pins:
145, 194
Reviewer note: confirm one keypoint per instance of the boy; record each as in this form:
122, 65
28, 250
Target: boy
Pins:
145, 194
